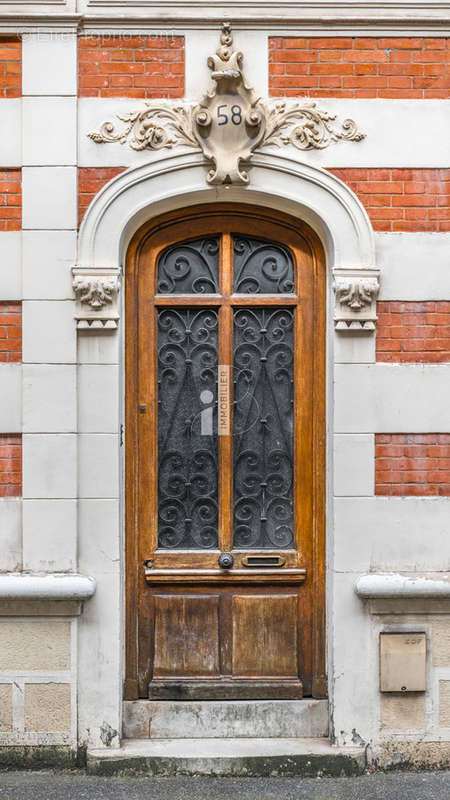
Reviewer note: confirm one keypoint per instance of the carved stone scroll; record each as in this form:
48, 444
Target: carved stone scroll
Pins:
96, 293
356, 295
230, 123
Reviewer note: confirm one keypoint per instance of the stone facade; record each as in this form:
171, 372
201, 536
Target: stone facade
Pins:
68, 209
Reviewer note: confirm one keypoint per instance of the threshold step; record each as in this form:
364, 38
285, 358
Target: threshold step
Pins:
242, 757
179, 719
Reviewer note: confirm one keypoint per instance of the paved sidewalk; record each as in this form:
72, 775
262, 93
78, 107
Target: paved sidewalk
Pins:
77, 786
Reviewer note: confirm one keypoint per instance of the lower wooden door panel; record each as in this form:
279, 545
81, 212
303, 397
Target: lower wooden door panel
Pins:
227, 642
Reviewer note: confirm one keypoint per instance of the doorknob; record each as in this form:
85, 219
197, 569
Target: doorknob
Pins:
226, 560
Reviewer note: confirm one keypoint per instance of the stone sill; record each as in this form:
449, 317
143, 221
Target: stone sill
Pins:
44, 594
407, 593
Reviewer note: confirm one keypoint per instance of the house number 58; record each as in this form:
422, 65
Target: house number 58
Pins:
224, 116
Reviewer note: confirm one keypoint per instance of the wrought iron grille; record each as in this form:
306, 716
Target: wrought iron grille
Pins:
187, 429
263, 427
190, 267
262, 267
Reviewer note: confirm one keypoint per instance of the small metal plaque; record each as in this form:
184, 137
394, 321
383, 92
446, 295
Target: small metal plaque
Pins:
263, 561
403, 662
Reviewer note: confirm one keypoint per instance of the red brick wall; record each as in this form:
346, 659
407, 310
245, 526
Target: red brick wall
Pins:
10, 332
131, 66
10, 465
10, 199
90, 181
412, 464
413, 332
402, 199
10, 67
359, 67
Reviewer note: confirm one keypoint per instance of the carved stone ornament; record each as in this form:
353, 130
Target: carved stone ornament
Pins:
96, 294
356, 296
229, 123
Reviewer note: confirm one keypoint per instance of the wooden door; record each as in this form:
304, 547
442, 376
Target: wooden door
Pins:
225, 456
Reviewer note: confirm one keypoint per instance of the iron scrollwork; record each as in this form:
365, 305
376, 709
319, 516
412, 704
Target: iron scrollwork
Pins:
187, 377
262, 267
190, 267
263, 428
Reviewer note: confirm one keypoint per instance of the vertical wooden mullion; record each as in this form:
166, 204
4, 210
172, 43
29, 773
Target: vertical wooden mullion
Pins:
226, 358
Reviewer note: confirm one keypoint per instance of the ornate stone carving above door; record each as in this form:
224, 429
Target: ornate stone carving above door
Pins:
230, 123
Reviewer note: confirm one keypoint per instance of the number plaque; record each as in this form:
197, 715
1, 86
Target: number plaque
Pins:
229, 120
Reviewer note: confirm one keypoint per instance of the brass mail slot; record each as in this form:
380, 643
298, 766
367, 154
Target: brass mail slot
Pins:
263, 561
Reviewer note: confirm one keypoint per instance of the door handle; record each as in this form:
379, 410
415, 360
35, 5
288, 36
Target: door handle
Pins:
225, 560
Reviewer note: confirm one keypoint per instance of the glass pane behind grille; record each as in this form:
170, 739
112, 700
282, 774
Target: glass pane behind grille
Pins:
261, 267
187, 435
263, 428
190, 267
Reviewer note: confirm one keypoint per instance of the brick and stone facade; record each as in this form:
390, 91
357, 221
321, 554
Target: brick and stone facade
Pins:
62, 388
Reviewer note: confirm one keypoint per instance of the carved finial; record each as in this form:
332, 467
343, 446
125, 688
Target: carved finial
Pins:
225, 49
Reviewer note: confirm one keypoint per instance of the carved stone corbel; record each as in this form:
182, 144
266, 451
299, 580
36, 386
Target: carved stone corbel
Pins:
96, 293
356, 293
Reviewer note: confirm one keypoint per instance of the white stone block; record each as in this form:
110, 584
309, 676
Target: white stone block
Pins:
98, 399
49, 332
354, 348
406, 133
101, 348
391, 533
49, 63
98, 546
49, 198
49, 132
414, 266
49, 398
100, 679
391, 398
354, 464
10, 398
11, 534
10, 141
50, 535
10, 265
354, 686
47, 259
100, 650
98, 465
49, 466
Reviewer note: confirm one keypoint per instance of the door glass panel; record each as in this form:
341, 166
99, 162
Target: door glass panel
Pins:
190, 267
261, 267
263, 427
187, 430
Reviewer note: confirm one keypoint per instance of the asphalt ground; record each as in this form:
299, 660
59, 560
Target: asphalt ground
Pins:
48, 785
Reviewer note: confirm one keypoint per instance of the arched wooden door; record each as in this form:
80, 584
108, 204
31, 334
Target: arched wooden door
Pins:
225, 387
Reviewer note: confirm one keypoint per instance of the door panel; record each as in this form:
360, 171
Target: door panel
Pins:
204, 299
265, 635
186, 635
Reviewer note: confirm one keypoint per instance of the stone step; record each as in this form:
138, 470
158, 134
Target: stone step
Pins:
165, 719
227, 757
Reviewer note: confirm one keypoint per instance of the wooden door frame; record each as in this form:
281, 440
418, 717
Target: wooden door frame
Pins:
134, 577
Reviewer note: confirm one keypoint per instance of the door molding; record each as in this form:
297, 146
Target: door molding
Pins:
175, 181
300, 189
